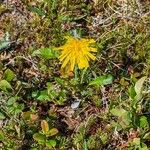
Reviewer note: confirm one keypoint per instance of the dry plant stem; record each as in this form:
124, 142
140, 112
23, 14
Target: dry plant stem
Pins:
22, 57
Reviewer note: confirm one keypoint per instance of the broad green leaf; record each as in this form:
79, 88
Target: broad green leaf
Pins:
50, 143
9, 75
4, 85
39, 137
132, 92
46, 53
139, 85
124, 116
43, 96
118, 111
44, 126
102, 80
52, 132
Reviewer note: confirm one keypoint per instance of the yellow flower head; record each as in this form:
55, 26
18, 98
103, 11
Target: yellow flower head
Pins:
76, 52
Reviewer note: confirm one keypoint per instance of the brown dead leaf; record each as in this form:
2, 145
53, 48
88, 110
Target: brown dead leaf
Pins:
67, 112
44, 126
71, 123
34, 117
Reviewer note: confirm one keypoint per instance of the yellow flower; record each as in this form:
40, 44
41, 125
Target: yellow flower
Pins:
76, 52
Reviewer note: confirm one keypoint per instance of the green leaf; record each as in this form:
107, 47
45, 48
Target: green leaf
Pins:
50, 143
118, 111
43, 95
37, 11
139, 85
26, 115
52, 132
35, 94
143, 122
102, 80
124, 116
1, 136
60, 81
9, 75
39, 137
2, 116
132, 92
12, 100
4, 85
147, 136
144, 147
136, 141
46, 53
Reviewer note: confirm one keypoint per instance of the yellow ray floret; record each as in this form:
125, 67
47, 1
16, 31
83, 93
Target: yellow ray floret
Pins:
76, 52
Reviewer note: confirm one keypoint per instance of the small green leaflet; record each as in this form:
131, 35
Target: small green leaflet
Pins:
9, 75
102, 80
51, 143
39, 137
4, 85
